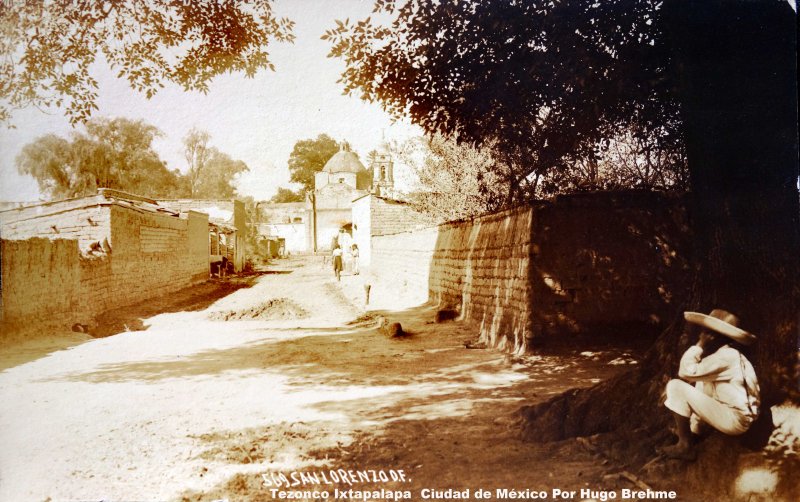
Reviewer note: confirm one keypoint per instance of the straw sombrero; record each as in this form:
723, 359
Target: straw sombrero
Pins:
723, 322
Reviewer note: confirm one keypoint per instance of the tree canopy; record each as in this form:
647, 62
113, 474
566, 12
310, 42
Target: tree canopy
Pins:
287, 195
112, 153
118, 153
196, 152
47, 48
454, 181
215, 181
308, 157
543, 82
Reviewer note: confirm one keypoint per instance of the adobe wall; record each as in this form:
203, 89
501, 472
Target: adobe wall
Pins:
40, 279
605, 263
294, 233
138, 254
152, 254
85, 220
329, 221
391, 216
236, 216
373, 215
279, 213
477, 267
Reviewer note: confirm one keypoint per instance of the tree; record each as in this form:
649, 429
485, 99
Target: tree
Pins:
627, 161
454, 181
287, 195
112, 153
122, 156
47, 160
196, 152
214, 181
47, 48
553, 80
542, 82
308, 157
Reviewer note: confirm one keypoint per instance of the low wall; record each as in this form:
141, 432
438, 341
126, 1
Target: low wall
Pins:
590, 264
374, 215
115, 254
478, 267
86, 220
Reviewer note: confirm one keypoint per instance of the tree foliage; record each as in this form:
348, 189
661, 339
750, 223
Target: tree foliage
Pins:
216, 179
308, 157
111, 153
626, 161
543, 82
118, 153
196, 152
454, 181
48, 47
287, 195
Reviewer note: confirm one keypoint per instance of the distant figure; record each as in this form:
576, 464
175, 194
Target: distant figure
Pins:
723, 392
337, 262
354, 252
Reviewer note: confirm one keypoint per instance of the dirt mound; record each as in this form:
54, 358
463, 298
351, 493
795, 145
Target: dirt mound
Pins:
275, 308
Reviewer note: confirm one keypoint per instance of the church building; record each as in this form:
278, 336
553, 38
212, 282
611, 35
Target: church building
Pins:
348, 205
343, 179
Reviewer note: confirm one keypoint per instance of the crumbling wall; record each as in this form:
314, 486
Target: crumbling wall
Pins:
481, 267
151, 254
373, 215
478, 267
117, 254
589, 264
402, 262
88, 222
390, 216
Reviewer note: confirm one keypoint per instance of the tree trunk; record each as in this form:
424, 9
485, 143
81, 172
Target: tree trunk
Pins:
735, 62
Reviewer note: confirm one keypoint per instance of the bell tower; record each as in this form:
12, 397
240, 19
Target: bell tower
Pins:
383, 171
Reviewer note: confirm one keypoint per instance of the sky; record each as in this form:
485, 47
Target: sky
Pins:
255, 120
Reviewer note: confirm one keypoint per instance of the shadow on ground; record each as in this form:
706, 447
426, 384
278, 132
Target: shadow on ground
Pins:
423, 403
34, 343
191, 299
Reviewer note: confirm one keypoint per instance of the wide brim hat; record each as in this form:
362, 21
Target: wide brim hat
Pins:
722, 322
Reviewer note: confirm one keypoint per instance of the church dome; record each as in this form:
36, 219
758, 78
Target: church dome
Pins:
344, 161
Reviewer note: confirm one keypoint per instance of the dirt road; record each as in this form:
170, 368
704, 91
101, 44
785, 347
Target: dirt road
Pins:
204, 404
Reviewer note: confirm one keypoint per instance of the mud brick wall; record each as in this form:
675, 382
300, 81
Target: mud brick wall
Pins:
238, 220
401, 262
39, 279
87, 223
391, 216
142, 254
610, 263
481, 268
584, 265
151, 255
478, 267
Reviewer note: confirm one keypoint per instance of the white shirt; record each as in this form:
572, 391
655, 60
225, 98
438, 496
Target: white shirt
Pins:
731, 377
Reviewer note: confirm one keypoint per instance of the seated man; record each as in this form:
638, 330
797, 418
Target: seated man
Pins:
725, 393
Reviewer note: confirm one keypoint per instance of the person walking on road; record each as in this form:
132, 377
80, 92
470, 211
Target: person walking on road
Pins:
337, 262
